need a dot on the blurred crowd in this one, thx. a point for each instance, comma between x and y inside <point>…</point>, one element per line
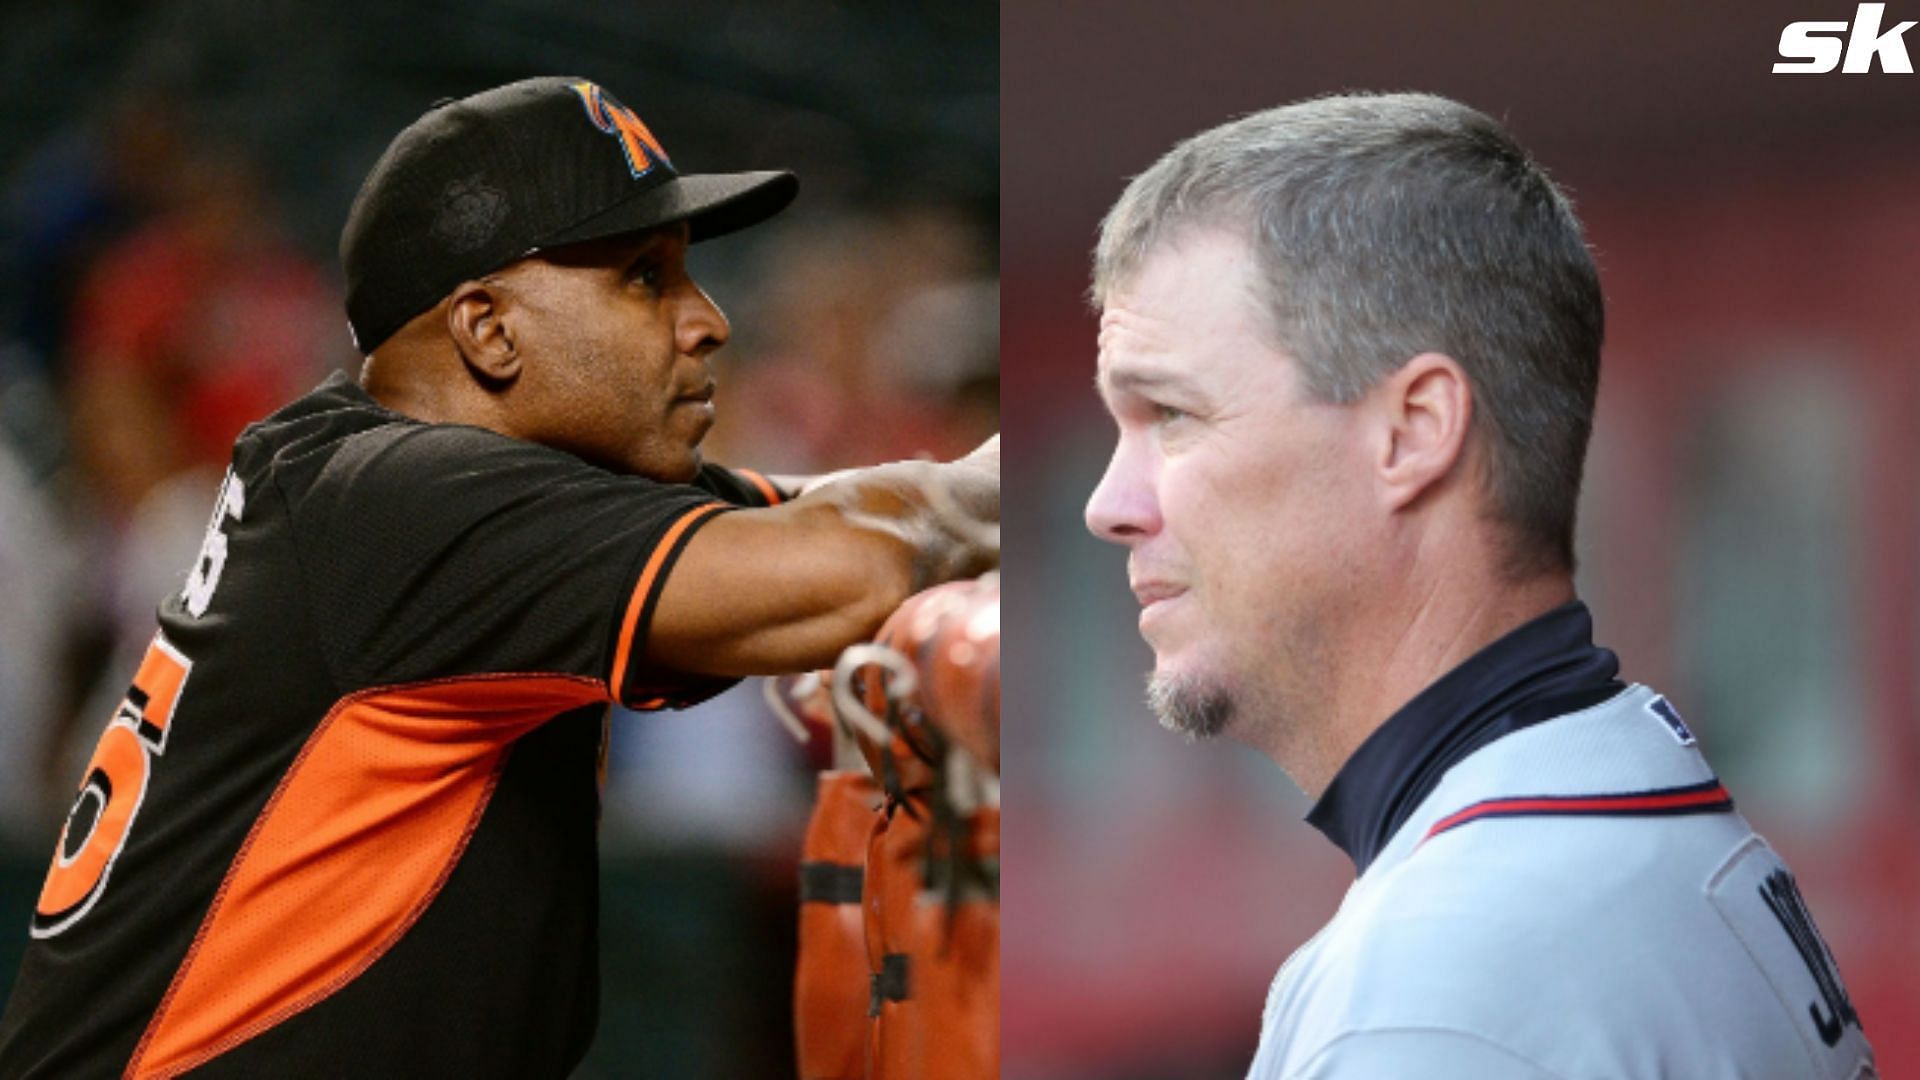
<point>153,308</point>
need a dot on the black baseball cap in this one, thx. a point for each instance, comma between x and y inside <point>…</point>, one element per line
<point>479,182</point>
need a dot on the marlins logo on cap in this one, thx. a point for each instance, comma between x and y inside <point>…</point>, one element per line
<point>636,142</point>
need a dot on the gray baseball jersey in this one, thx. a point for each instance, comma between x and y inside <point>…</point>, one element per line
<point>1572,897</point>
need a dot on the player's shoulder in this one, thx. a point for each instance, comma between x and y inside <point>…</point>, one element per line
<point>388,462</point>
<point>1683,944</point>
<point>409,452</point>
<point>1556,872</point>
<point>408,488</point>
<point>339,431</point>
<point>1492,931</point>
<point>1562,843</point>
<point>292,448</point>
<point>1527,895</point>
<point>331,412</point>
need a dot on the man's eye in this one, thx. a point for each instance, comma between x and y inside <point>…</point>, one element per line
<point>1167,414</point>
<point>647,274</point>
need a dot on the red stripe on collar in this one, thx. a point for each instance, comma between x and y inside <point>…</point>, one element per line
<point>1706,797</point>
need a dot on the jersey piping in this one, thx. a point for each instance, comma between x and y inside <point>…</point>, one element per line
<point>765,486</point>
<point>1706,797</point>
<point>646,597</point>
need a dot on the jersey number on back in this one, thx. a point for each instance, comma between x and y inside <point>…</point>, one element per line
<point>1782,897</point>
<point>205,576</point>
<point>116,779</point>
<point>111,794</point>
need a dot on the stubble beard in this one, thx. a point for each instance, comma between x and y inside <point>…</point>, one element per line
<point>1272,694</point>
<point>1283,718</point>
<point>1194,706</point>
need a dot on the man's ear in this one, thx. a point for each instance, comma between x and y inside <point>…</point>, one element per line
<point>1428,407</point>
<point>481,329</point>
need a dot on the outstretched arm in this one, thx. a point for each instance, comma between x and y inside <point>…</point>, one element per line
<point>760,592</point>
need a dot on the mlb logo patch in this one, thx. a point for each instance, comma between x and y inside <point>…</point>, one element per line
<point>1671,717</point>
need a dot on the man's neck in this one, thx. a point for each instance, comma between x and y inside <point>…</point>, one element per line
<point>400,384</point>
<point>1385,663</point>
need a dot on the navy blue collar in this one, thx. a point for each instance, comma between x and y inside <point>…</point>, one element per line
<point>1546,668</point>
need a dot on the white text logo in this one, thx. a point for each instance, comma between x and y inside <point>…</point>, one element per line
<point>1816,46</point>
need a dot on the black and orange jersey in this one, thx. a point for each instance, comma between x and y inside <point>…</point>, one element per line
<point>343,822</point>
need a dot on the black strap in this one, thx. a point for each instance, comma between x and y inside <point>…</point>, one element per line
<point>830,883</point>
<point>888,984</point>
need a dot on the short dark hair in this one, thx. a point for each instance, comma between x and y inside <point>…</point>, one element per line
<point>1387,225</point>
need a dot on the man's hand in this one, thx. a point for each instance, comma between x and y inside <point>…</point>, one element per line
<point>761,592</point>
<point>986,456</point>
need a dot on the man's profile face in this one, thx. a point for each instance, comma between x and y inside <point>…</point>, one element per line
<point>1240,500</point>
<point>616,338</point>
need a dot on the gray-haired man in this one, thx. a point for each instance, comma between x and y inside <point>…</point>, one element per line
<point>1352,347</point>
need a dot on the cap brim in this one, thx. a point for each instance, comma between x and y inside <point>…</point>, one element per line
<point>713,205</point>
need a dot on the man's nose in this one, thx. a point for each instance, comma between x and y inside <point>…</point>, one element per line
<point>1123,508</point>
<point>702,327</point>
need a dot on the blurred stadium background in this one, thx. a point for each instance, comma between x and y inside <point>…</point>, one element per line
<point>173,177</point>
<point>1750,533</point>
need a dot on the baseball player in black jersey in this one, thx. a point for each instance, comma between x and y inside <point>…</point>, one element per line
<point>342,823</point>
